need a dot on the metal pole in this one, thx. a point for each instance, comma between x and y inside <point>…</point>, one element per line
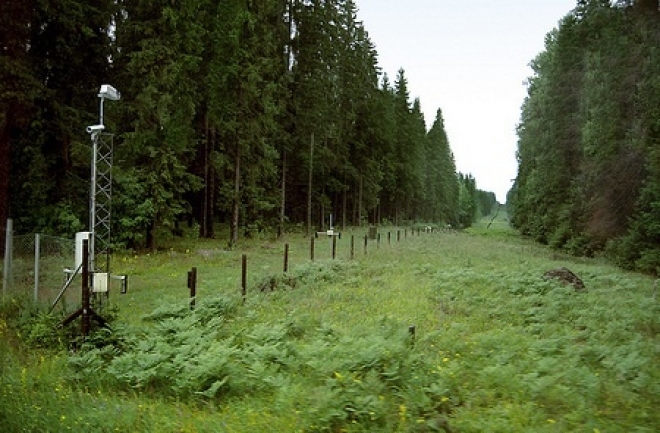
<point>6,273</point>
<point>244,276</point>
<point>101,111</point>
<point>37,251</point>
<point>92,201</point>
<point>286,258</point>
<point>85,290</point>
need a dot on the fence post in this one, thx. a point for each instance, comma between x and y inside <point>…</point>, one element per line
<point>244,277</point>
<point>192,285</point>
<point>311,249</point>
<point>286,258</point>
<point>352,246</point>
<point>366,239</point>
<point>334,246</point>
<point>6,273</point>
<point>37,252</point>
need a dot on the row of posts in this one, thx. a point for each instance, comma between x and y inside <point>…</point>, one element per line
<point>192,274</point>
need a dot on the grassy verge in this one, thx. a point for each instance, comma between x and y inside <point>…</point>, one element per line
<point>495,346</point>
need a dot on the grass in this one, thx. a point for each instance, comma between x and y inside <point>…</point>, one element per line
<point>496,347</point>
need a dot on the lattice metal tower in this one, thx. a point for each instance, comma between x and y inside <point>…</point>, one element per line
<point>100,196</point>
<point>101,201</point>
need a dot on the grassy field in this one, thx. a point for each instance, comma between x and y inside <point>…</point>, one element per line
<point>445,331</point>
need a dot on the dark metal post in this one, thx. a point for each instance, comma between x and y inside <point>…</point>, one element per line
<point>286,258</point>
<point>85,289</point>
<point>244,277</point>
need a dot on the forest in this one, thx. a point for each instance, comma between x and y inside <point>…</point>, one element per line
<point>589,137</point>
<point>248,115</point>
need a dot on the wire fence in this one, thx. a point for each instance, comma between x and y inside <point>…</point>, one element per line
<point>35,266</point>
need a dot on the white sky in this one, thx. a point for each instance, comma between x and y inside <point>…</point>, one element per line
<point>469,58</point>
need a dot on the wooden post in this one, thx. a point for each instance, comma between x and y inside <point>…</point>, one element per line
<point>244,277</point>
<point>398,235</point>
<point>192,285</point>
<point>352,246</point>
<point>334,246</point>
<point>378,241</point>
<point>286,258</point>
<point>366,239</point>
<point>311,249</point>
<point>389,238</point>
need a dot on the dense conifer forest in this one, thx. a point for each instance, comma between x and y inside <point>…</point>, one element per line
<point>273,114</point>
<point>250,115</point>
<point>589,138</point>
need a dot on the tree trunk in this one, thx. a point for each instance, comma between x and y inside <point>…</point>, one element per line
<point>210,188</point>
<point>309,187</point>
<point>204,213</point>
<point>344,204</point>
<point>283,196</point>
<point>237,194</point>
<point>360,203</point>
<point>5,153</point>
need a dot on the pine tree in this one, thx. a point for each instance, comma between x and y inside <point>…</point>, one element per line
<point>161,98</point>
<point>58,57</point>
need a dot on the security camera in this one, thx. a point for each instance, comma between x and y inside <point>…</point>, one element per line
<point>95,128</point>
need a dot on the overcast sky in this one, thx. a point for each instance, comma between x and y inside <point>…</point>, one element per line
<point>469,58</point>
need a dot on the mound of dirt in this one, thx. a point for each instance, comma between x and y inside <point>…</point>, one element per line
<point>566,277</point>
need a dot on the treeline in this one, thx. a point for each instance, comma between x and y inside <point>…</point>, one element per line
<point>589,138</point>
<point>256,114</point>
